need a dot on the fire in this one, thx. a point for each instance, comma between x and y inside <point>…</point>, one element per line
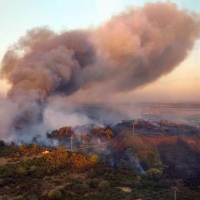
<point>45,152</point>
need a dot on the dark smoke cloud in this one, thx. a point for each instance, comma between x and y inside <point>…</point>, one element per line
<point>130,50</point>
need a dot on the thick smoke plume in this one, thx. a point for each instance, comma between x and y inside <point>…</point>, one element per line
<point>130,50</point>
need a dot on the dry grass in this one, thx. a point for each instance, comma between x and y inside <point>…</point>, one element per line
<point>125,189</point>
<point>3,161</point>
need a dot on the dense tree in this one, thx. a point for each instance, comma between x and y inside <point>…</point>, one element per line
<point>2,143</point>
<point>57,158</point>
<point>79,160</point>
<point>154,173</point>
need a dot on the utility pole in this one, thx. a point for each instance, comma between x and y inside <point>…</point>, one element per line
<point>175,191</point>
<point>133,127</point>
<point>72,137</point>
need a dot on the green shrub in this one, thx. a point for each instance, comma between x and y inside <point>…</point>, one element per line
<point>104,185</point>
<point>55,195</point>
<point>21,171</point>
<point>22,147</point>
<point>57,182</point>
<point>154,173</point>
<point>122,164</point>
<point>94,159</point>
<point>93,184</point>
<point>84,186</point>
<point>69,194</point>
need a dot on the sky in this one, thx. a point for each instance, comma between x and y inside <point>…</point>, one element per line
<point>16,17</point>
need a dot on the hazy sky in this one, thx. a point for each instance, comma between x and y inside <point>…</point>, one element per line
<point>16,17</point>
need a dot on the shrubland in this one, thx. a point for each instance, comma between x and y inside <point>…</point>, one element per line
<point>104,163</point>
<point>68,174</point>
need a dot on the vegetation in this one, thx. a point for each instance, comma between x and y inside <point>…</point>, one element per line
<point>130,166</point>
<point>55,195</point>
<point>94,159</point>
<point>153,173</point>
<point>104,185</point>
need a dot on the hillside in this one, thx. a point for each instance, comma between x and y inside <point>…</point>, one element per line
<point>108,162</point>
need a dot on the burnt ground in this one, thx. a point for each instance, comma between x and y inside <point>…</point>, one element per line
<point>183,162</point>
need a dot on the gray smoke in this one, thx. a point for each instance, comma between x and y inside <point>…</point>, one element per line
<point>130,50</point>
